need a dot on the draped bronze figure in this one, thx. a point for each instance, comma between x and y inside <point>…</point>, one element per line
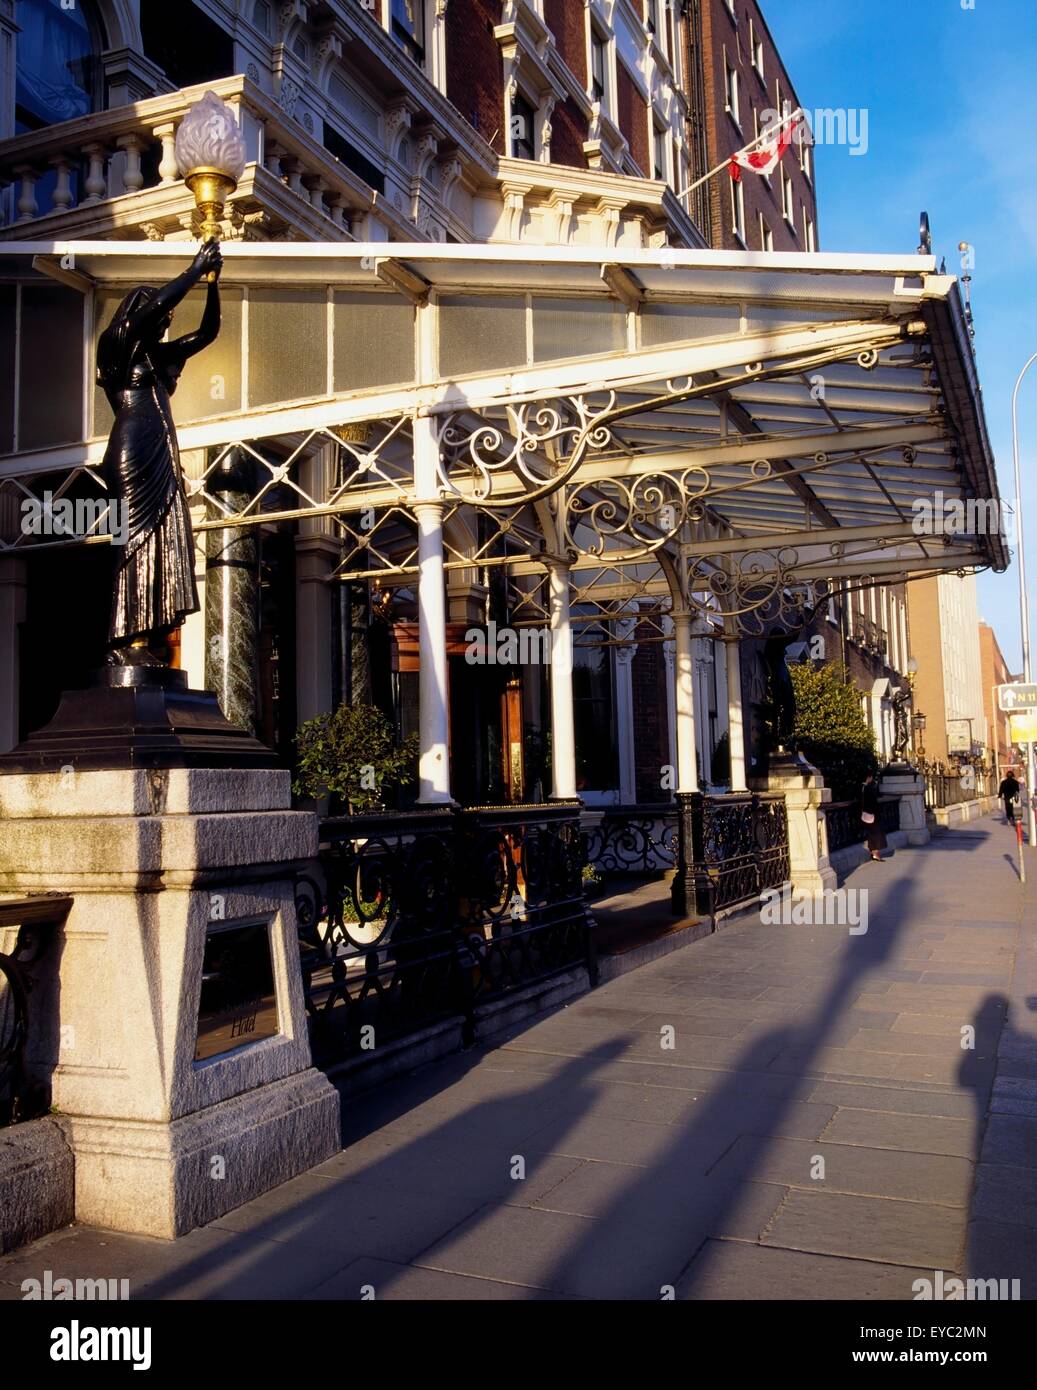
<point>154,586</point>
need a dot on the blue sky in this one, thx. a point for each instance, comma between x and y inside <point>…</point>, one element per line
<point>950,95</point>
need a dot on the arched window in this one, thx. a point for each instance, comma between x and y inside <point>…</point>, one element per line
<point>58,75</point>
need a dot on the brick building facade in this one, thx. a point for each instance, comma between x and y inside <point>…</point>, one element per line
<point>995,672</point>
<point>733,60</point>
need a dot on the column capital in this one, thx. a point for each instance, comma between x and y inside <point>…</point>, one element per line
<point>430,507</point>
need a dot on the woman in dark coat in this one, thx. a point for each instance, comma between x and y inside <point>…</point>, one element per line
<point>154,586</point>
<point>870,817</point>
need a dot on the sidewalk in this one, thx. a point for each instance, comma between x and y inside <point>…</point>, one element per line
<point>585,1159</point>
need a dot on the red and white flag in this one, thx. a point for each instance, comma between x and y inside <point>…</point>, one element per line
<point>763,158</point>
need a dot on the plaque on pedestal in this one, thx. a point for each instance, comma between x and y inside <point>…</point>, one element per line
<point>238,1003</point>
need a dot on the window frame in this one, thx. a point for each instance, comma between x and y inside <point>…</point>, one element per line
<point>732,94</point>
<point>788,199</point>
<point>418,52</point>
<point>599,43</point>
<point>756,51</point>
<point>738,211</point>
<point>533,142</point>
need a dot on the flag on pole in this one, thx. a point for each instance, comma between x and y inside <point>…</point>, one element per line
<point>765,157</point>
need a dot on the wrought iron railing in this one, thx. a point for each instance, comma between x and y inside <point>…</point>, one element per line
<point>35,919</point>
<point>946,786</point>
<point>844,826</point>
<point>426,915</point>
<point>630,840</point>
<point>734,847</point>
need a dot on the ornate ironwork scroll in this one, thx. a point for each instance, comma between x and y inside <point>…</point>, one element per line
<point>632,840</point>
<point>426,915</point>
<point>731,849</point>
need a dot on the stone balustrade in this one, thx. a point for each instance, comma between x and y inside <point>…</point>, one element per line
<point>108,171</point>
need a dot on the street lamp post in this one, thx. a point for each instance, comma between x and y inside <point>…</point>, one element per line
<point>1024,606</point>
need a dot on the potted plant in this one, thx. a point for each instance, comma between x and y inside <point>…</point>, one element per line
<point>351,756</point>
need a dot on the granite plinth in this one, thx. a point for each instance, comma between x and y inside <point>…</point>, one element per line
<point>137,717</point>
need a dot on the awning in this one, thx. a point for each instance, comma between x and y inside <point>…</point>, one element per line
<point>746,419</point>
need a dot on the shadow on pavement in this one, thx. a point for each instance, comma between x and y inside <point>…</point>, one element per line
<point>653,1229</point>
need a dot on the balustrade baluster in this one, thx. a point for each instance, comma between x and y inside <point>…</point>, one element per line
<point>62,197</point>
<point>94,185</point>
<point>168,171</point>
<point>27,204</point>
<point>133,175</point>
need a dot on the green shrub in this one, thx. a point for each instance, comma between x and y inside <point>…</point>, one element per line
<point>352,755</point>
<point>831,731</point>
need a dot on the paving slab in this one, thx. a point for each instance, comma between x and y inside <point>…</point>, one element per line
<point>366,1280</point>
<point>728,1269</point>
<point>923,1134</point>
<point>870,1228</point>
<point>1006,1192</point>
<point>897,1173</point>
<point>1003,1250</point>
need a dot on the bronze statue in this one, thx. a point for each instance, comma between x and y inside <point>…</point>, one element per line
<point>901,701</point>
<point>154,573</point>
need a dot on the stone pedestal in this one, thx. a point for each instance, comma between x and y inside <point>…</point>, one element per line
<point>157,860</point>
<point>909,788</point>
<point>805,793</point>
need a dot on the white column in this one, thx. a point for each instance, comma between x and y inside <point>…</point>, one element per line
<point>735,726</point>
<point>624,660</point>
<point>671,700</point>
<point>563,733</point>
<point>627,790</point>
<point>702,648</point>
<point>433,696</point>
<point>316,554</point>
<point>684,689</point>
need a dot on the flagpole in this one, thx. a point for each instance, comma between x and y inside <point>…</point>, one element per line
<point>744,150</point>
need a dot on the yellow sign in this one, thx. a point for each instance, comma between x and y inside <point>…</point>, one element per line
<point>1024,727</point>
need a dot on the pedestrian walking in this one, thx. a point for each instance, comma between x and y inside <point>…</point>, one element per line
<point>870,817</point>
<point>1008,791</point>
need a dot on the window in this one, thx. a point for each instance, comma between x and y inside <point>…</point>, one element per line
<point>652,16</point>
<point>599,68</point>
<point>805,158</point>
<point>738,210</point>
<point>755,48</point>
<point>766,235</point>
<point>352,158</point>
<point>597,760</point>
<point>731,87</point>
<point>523,129</point>
<point>731,10</point>
<point>408,27</point>
<point>659,154</point>
<point>788,205</point>
<point>810,237</point>
<point>186,43</point>
<point>58,75</point>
